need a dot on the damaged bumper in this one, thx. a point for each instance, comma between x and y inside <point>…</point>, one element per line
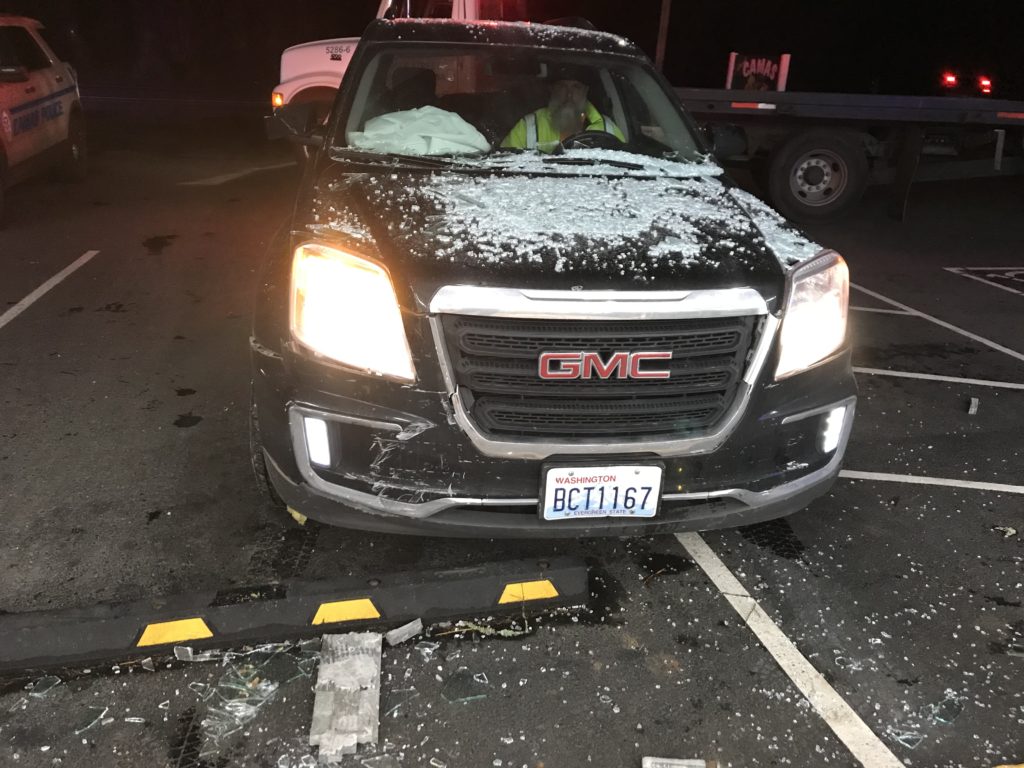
<point>362,465</point>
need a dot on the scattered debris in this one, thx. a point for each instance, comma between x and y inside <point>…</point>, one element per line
<point>147,664</point>
<point>671,762</point>
<point>19,704</point>
<point>202,689</point>
<point>405,632</point>
<point>43,686</point>
<point>297,516</point>
<point>947,710</point>
<point>909,739</point>
<point>185,653</point>
<point>396,699</point>
<point>135,720</point>
<point>93,715</point>
<point>488,631</point>
<point>1007,531</point>
<point>346,707</point>
<point>426,649</point>
<point>972,409</point>
<point>463,686</point>
<point>306,761</point>
<point>240,693</point>
<point>381,761</point>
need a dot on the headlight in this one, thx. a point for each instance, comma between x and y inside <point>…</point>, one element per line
<point>814,322</point>
<point>344,308</point>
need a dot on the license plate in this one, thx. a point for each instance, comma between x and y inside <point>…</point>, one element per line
<point>583,492</point>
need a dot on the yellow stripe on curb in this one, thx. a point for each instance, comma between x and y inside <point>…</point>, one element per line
<point>346,610</point>
<point>528,590</point>
<point>174,632</point>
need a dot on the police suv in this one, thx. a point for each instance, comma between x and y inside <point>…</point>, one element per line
<point>465,333</point>
<point>41,124</point>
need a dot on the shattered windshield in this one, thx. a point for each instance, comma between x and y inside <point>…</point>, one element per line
<point>515,108</point>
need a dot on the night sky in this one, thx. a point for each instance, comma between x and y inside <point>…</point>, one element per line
<point>230,48</point>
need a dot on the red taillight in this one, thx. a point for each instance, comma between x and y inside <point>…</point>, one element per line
<point>949,79</point>
<point>985,84</point>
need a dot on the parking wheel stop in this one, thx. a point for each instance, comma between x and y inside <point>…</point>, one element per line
<point>286,610</point>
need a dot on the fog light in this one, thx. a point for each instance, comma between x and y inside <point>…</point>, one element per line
<point>317,444</point>
<point>833,429</point>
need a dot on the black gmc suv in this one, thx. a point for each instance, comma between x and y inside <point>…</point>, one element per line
<point>519,298</point>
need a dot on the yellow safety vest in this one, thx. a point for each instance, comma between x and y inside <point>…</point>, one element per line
<point>536,131</point>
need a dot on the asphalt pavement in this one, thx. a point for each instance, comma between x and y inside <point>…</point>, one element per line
<point>883,621</point>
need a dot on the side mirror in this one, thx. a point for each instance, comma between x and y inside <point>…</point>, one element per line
<point>295,122</point>
<point>726,140</point>
<point>13,74</point>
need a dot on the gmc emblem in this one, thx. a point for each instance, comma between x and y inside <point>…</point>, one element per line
<point>587,365</point>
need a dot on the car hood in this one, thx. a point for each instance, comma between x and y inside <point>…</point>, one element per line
<point>555,231</point>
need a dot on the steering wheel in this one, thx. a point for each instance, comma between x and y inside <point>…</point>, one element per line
<point>592,140</point>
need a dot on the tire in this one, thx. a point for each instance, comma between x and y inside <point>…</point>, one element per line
<point>259,462</point>
<point>75,166</point>
<point>817,175</point>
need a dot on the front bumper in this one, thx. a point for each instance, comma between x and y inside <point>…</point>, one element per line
<point>518,518</point>
<point>392,472</point>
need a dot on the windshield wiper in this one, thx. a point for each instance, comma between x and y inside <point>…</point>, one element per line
<point>595,161</point>
<point>348,154</point>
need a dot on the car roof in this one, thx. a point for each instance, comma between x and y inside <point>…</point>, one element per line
<point>523,34</point>
<point>10,20</point>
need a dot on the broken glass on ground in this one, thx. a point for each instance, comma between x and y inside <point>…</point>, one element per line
<point>236,700</point>
<point>947,710</point>
<point>426,649</point>
<point>396,699</point>
<point>185,653</point>
<point>43,686</point>
<point>513,630</point>
<point>381,761</point>
<point>464,686</point>
<point>909,739</point>
<point>92,716</point>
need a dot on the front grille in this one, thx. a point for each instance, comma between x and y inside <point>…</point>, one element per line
<point>495,364</point>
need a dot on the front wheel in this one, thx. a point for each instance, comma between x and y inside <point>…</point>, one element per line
<point>817,175</point>
<point>76,155</point>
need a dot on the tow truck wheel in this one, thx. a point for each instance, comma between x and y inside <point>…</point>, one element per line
<point>258,460</point>
<point>76,159</point>
<point>817,175</point>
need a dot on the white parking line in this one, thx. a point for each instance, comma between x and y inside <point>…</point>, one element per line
<point>224,178</point>
<point>963,273</point>
<point>25,303</point>
<point>883,311</point>
<point>949,326</point>
<point>851,474</point>
<point>862,742</point>
<point>936,377</point>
